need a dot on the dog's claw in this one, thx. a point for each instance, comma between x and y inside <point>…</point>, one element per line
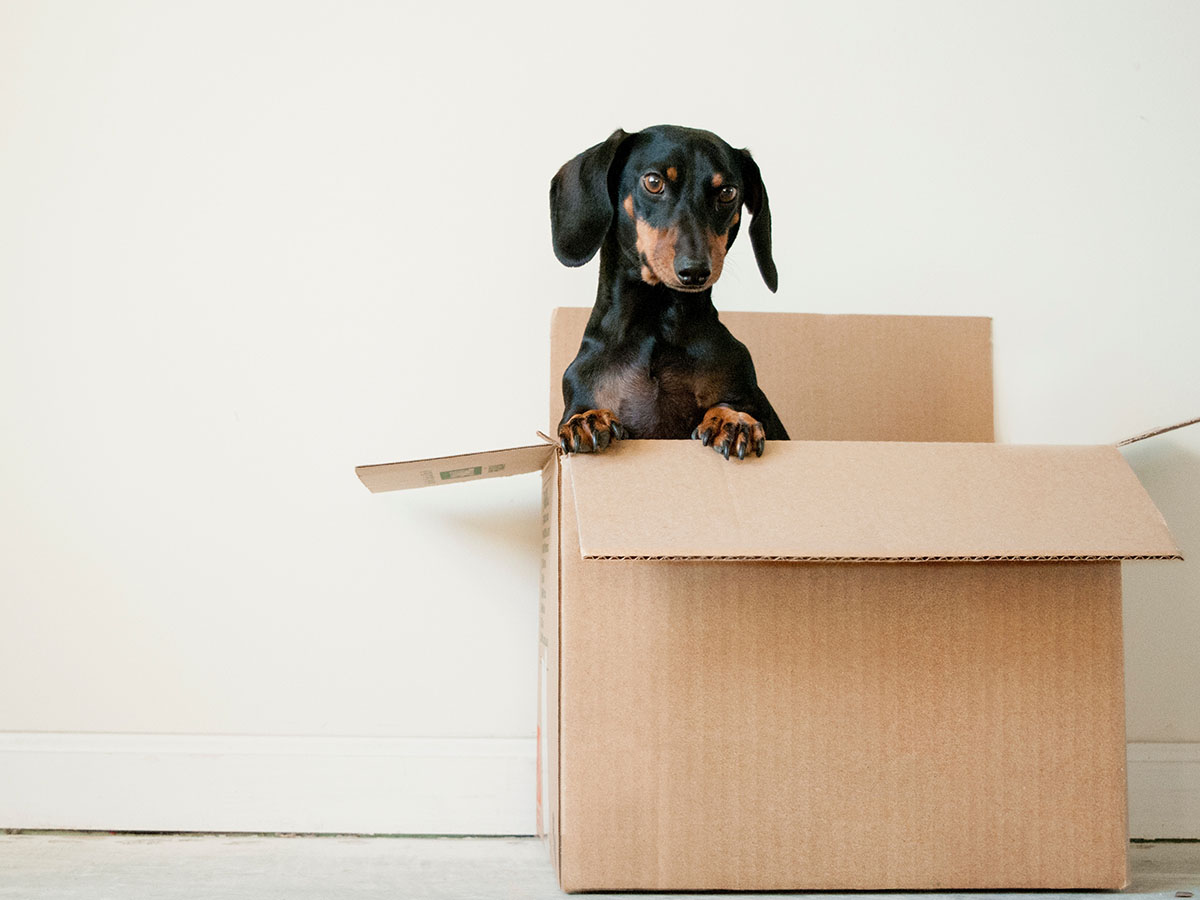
<point>590,432</point>
<point>731,433</point>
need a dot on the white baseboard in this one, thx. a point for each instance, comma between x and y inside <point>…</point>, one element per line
<point>1164,791</point>
<point>123,782</point>
<point>112,782</point>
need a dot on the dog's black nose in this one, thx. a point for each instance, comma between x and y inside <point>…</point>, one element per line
<point>691,272</point>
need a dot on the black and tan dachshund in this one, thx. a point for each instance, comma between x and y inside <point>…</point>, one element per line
<point>662,206</point>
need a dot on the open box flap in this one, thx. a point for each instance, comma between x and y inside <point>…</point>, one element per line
<point>402,476</point>
<point>1155,432</point>
<point>838,500</point>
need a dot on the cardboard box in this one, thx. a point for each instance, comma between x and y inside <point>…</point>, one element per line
<point>886,655</point>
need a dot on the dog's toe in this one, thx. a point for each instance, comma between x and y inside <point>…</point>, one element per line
<point>590,432</point>
<point>731,433</point>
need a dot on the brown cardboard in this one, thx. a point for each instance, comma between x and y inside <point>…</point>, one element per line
<point>827,500</point>
<point>549,669</point>
<point>731,697</point>
<point>862,726</point>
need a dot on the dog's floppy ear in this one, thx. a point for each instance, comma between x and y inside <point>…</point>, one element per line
<point>581,208</point>
<point>760,222</point>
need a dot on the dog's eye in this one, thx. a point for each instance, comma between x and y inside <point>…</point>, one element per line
<point>653,182</point>
<point>728,194</point>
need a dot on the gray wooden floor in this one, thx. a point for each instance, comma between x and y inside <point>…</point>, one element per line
<point>73,866</point>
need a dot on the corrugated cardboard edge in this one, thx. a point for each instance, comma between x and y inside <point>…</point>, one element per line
<point>549,669</point>
<point>834,560</point>
<point>1154,432</point>
<point>557,824</point>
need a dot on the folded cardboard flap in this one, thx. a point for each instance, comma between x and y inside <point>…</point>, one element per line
<point>864,501</point>
<point>416,473</point>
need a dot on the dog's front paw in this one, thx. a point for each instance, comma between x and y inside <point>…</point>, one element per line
<point>730,431</point>
<point>590,432</point>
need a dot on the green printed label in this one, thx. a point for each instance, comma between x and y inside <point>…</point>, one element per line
<point>469,472</point>
<point>499,467</point>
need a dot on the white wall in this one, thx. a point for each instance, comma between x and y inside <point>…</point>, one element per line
<point>246,246</point>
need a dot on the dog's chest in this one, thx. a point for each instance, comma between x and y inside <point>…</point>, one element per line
<point>659,396</point>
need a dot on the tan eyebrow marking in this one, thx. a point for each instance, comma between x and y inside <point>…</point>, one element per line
<point>672,173</point>
<point>718,180</point>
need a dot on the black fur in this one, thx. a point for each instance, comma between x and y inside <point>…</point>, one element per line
<point>654,353</point>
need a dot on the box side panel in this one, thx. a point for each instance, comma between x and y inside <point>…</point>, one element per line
<point>548,664</point>
<point>874,378</point>
<point>784,727</point>
<point>1115,652</point>
<point>571,780</point>
<point>852,377</point>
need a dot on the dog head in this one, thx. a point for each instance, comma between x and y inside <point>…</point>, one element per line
<point>673,197</point>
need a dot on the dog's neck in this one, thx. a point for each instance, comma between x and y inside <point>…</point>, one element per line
<point>625,304</point>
